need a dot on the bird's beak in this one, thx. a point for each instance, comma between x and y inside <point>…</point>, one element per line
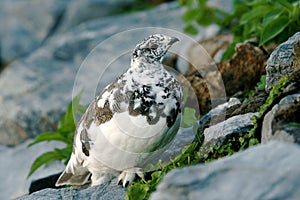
<point>173,40</point>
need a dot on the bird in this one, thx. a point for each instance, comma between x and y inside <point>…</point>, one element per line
<point>130,123</point>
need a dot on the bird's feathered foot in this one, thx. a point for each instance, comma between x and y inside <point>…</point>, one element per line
<point>128,175</point>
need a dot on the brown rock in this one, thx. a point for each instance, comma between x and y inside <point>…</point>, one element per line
<point>201,92</point>
<point>244,69</point>
<point>240,73</point>
<point>252,105</point>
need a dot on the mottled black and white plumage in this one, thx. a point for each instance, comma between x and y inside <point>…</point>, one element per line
<point>130,122</point>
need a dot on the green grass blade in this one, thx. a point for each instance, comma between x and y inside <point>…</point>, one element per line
<point>254,14</point>
<point>49,136</point>
<point>44,159</point>
<point>273,29</point>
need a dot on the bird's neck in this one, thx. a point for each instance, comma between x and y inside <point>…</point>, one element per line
<point>141,65</point>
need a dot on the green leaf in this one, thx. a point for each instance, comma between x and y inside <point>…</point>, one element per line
<point>229,52</point>
<point>241,139</point>
<point>250,29</point>
<point>211,15</point>
<point>66,153</point>
<point>49,136</point>
<point>189,117</point>
<point>273,15</point>
<point>255,14</point>
<point>262,84</point>
<point>286,4</point>
<point>190,29</point>
<point>190,15</point>
<point>156,175</point>
<point>137,191</point>
<point>256,3</point>
<point>273,29</point>
<point>292,124</point>
<point>44,159</point>
<point>253,141</point>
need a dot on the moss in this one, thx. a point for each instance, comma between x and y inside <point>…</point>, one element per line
<point>273,98</point>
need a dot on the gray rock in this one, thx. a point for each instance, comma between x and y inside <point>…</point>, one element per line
<point>269,171</point>
<point>216,114</point>
<point>282,122</point>
<point>26,24</point>
<point>112,191</point>
<point>238,124</point>
<point>15,165</point>
<point>280,61</point>
<point>79,11</point>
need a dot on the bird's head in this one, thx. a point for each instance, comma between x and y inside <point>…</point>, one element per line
<point>153,48</point>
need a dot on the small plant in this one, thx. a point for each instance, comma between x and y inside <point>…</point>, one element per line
<point>266,20</point>
<point>64,133</point>
<point>189,118</point>
<point>275,93</point>
<point>142,189</point>
<point>260,86</point>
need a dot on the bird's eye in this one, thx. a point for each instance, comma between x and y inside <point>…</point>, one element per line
<point>154,46</point>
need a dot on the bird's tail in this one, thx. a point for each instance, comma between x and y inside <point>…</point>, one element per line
<point>74,174</point>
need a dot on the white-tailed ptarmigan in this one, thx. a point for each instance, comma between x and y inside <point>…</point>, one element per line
<point>130,123</point>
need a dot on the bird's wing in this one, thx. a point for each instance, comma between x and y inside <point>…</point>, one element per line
<point>76,172</point>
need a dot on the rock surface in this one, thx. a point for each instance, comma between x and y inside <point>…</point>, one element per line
<point>236,125</point>
<point>79,11</point>
<point>283,121</point>
<point>251,105</point>
<point>217,114</point>
<point>260,172</point>
<point>15,165</point>
<point>112,191</point>
<point>26,24</point>
<point>283,60</point>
